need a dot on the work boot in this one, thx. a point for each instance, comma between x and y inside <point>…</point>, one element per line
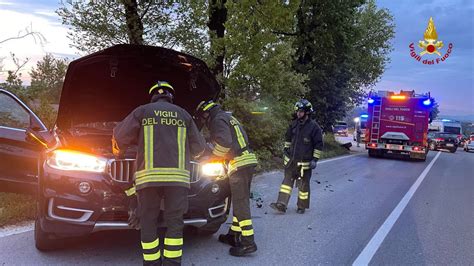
<point>279,207</point>
<point>243,250</point>
<point>231,240</point>
<point>300,210</point>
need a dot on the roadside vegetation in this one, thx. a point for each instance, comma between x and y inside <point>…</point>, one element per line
<point>15,208</point>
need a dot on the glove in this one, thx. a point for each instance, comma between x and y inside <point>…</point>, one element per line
<point>313,163</point>
<point>133,219</point>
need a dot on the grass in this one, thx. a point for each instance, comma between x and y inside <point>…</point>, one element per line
<point>332,148</point>
<point>15,208</point>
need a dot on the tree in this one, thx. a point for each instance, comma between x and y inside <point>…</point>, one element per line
<point>343,47</point>
<point>47,78</point>
<point>239,40</point>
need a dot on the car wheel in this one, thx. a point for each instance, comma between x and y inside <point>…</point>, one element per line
<point>43,240</point>
<point>453,150</point>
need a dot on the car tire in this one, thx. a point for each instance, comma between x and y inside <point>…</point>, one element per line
<point>43,240</point>
<point>453,150</point>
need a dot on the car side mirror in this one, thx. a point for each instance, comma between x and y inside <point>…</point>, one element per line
<point>33,136</point>
<point>34,124</point>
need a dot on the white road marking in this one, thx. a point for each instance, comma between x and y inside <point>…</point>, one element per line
<point>369,251</point>
<point>17,229</point>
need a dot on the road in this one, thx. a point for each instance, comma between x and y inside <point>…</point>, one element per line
<point>353,199</point>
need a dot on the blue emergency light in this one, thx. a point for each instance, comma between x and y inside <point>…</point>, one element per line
<point>364,116</point>
<point>427,102</point>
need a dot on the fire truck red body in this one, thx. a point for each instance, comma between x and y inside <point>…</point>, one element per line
<point>398,124</point>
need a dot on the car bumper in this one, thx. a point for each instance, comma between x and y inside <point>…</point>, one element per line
<point>66,212</point>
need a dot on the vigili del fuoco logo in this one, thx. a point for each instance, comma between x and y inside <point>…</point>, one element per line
<point>430,46</point>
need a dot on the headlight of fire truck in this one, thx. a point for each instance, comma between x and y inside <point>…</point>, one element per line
<point>70,160</point>
<point>213,169</point>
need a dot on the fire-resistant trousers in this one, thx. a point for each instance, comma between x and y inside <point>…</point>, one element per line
<point>292,174</point>
<point>175,205</point>
<point>240,182</point>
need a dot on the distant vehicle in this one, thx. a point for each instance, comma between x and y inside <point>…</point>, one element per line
<point>442,140</point>
<point>341,129</point>
<point>398,124</point>
<point>361,125</point>
<point>447,126</point>
<point>469,144</point>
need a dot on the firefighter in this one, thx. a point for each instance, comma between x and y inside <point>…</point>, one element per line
<point>167,137</point>
<point>303,146</point>
<point>230,142</point>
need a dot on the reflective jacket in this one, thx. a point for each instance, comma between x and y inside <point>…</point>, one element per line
<point>166,137</point>
<point>230,140</point>
<point>303,142</point>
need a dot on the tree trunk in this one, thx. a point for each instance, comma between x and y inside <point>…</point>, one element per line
<point>217,18</point>
<point>134,23</point>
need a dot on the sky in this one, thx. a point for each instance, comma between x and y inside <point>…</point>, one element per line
<point>450,82</point>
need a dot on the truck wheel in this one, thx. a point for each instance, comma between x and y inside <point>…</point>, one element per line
<point>43,240</point>
<point>373,153</point>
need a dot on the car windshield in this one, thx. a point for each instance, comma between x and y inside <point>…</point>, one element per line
<point>447,135</point>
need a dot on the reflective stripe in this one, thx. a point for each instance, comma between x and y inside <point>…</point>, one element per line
<point>285,160</point>
<point>150,245</point>
<point>181,147</point>
<point>303,195</point>
<point>234,219</point>
<point>316,153</point>
<point>304,163</point>
<point>245,223</point>
<point>148,146</point>
<point>235,228</point>
<point>287,144</point>
<point>160,170</point>
<point>240,137</point>
<point>174,241</point>
<point>151,257</point>
<point>208,106</point>
<point>167,178</point>
<point>172,254</point>
<point>219,150</point>
<point>247,232</point>
<point>131,191</point>
<point>285,189</point>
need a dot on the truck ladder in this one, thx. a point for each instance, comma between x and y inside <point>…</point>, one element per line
<point>376,115</point>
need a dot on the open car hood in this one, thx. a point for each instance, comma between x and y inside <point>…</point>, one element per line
<point>107,85</point>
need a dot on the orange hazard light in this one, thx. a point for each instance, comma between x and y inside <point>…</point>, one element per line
<point>398,97</point>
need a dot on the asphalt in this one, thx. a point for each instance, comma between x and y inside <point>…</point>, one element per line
<point>350,200</point>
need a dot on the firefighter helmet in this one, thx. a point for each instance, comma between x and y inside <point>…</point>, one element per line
<point>204,106</point>
<point>162,87</point>
<point>303,105</point>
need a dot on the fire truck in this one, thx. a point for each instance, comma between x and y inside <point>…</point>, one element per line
<point>398,124</point>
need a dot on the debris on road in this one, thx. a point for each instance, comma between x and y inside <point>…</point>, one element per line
<point>350,180</point>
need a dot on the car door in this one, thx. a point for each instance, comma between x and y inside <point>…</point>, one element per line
<point>18,157</point>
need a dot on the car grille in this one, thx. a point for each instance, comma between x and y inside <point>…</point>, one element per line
<point>123,170</point>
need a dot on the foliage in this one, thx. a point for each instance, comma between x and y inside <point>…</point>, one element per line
<point>343,47</point>
<point>47,78</point>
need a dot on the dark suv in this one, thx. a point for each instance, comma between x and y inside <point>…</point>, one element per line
<point>71,167</point>
<point>442,140</point>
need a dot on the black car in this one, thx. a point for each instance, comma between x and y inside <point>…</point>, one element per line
<point>341,129</point>
<point>71,167</point>
<point>442,140</point>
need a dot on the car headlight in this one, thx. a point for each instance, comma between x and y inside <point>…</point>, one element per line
<point>69,160</point>
<point>213,169</point>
